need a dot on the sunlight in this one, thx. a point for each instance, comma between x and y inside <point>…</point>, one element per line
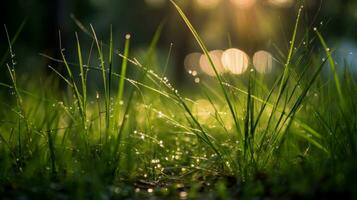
<point>282,3</point>
<point>243,3</point>
<point>203,110</point>
<point>263,62</point>
<point>208,4</point>
<point>235,60</point>
<point>205,65</point>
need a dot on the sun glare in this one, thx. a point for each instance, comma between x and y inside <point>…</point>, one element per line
<point>235,60</point>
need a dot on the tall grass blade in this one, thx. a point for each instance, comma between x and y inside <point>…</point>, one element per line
<point>19,30</point>
<point>104,76</point>
<point>333,67</point>
<point>205,51</point>
<point>123,68</point>
<point>71,77</point>
<point>83,80</point>
<point>110,61</point>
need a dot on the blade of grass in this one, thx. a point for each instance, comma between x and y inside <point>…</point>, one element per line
<point>104,76</point>
<point>123,68</point>
<point>286,75</point>
<point>9,50</point>
<point>205,50</point>
<point>296,106</point>
<point>110,61</point>
<point>71,77</point>
<point>83,81</point>
<point>121,84</point>
<point>333,67</point>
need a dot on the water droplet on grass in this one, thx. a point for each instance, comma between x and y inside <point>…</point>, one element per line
<point>127,36</point>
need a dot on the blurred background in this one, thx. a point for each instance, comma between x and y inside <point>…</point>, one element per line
<point>249,25</point>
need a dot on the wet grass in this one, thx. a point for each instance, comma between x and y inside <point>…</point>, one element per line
<point>291,136</point>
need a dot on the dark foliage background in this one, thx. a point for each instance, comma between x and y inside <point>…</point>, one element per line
<point>43,19</point>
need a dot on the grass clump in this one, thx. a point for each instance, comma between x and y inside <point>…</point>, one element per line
<point>288,138</point>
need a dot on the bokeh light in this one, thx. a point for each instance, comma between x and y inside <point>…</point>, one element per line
<point>203,110</point>
<point>208,4</point>
<point>192,62</point>
<point>243,3</point>
<point>235,60</point>
<point>205,65</point>
<point>263,62</point>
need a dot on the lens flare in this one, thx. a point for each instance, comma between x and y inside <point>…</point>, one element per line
<point>192,62</point>
<point>235,60</point>
<point>207,4</point>
<point>243,3</point>
<point>216,59</point>
<point>263,62</point>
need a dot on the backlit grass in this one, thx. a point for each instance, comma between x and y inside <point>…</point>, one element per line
<point>288,134</point>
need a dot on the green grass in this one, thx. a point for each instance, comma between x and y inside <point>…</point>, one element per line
<point>289,138</point>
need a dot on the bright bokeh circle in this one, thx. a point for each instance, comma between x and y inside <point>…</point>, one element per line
<point>263,62</point>
<point>234,60</point>
<point>192,61</point>
<point>206,66</point>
